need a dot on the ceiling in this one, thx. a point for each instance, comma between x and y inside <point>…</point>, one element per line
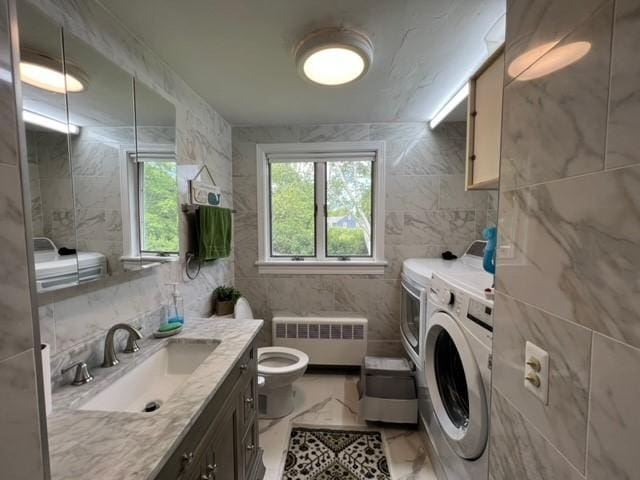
<point>237,54</point>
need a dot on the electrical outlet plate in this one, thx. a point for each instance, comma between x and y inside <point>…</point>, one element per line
<point>532,351</point>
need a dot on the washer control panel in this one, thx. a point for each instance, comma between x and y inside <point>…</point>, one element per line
<point>466,305</point>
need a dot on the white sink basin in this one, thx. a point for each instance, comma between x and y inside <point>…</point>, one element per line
<point>153,380</point>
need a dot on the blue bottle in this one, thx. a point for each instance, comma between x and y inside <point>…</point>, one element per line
<point>491,236</point>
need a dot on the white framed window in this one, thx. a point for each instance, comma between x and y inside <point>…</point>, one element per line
<point>321,207</point>
<point>150,205</point>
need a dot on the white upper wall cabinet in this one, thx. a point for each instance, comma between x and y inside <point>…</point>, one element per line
<point>484,124</point>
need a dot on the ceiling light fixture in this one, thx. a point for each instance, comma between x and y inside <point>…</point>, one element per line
<point>545,59</point>
<point>42,71</point>
<point>49,123</point>
<point>448,107</point>
<point>333,56</point>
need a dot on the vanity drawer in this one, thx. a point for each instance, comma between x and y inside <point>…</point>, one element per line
<point>249,449</point>
<point>248,399</point>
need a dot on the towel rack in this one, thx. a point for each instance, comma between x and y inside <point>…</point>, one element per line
<point>191,208</point>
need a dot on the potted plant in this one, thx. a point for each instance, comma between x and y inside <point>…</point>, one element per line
<point>225,299</point>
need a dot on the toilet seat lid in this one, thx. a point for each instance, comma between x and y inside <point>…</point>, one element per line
<point>301,360</point>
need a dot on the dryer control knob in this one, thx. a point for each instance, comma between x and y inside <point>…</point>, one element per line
<point>447,297</point>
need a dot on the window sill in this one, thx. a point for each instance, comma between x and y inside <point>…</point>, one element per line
<point>132,262</point>
<point>315,267</point>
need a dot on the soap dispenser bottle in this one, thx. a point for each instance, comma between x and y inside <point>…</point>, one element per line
<point>176,312</point>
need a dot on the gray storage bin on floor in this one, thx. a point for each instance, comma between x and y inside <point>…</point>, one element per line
<point>388,390</point>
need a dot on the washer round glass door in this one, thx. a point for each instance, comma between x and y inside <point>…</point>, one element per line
<point>455,387</point>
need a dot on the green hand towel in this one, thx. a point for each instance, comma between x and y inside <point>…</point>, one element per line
<point>215,233</point>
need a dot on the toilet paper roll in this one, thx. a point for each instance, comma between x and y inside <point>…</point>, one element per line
<point>46,376</point>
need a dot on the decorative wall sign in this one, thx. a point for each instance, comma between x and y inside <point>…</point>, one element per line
<point>204,193</point>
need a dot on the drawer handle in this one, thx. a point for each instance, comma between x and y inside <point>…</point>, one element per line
<point>187,459</point>
<point>244,366</point>
<point>211,472</point>
<point>248,400</point>
<point>251,446</point>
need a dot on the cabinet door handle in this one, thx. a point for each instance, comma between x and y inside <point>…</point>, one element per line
<point>187,459</point>
<point>244,366</point>
<point>211,472</point>
<point>248,400</point>
<point>251,446</point>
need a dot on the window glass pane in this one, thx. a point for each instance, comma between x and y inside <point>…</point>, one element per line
<point>349,188</point>
<point>292,209</point>
<point>160,207</point>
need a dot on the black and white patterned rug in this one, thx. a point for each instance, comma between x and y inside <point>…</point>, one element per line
<point>323,454</point>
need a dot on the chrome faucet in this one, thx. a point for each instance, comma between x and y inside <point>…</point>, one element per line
<point>110,359</point>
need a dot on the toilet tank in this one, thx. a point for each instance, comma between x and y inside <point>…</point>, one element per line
<point>326,340</point>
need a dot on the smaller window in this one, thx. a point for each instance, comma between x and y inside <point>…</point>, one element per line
<point>158,205</point>
<point>151,207</point>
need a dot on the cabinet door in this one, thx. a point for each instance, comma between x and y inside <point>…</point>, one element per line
<point>218,459</point>
<point>486,126</point>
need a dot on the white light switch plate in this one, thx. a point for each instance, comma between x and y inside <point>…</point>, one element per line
<point>532,351</point>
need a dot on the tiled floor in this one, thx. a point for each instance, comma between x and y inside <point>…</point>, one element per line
<point>331,400</point>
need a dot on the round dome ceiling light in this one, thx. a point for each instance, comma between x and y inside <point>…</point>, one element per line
<point>334,56</point>
<point>42,71</point>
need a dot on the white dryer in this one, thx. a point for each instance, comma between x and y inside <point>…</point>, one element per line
<point>416,279</point>
<point>457,373</point>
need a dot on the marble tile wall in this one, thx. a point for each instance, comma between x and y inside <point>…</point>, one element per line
<point>567,274</point>
<point>74,321</point>
<point>22,432</point>
<point>427,212</point>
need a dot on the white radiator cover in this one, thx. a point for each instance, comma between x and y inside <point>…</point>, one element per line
<point>326,340</point>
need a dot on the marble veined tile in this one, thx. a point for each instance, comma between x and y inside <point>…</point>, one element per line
<point>21,453</point>
<point>15,308</point>
<point>245,196</point>
<point>518,451</point>
<point>439,227</point>
<point>412,192</point>
<point>435,154</point>
<point>554,126</point>
<point>564,420</point>
<point>623,141</point>
<point>265,134</point>
<point>335,133</point>
<point>244,159</point>
<point>614,420</point>
<point>301,294</point>
<point>541,24</point>
<point>572,248</point>
<point>377,299</point>
<point>454,196</point>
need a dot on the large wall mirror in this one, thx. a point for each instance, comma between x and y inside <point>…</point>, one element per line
<point>101,156</point>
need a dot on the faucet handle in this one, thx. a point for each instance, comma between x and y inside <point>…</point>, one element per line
<point>132,345</point>
<point>82,375</point>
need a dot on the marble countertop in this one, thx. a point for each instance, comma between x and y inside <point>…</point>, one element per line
<point>125,445</point>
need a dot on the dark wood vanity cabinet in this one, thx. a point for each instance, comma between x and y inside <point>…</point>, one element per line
<point>223,443</point>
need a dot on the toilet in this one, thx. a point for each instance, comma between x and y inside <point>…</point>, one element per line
<point>278,368</point>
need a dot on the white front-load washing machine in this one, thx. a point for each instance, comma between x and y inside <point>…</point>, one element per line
<point>457,373</point>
